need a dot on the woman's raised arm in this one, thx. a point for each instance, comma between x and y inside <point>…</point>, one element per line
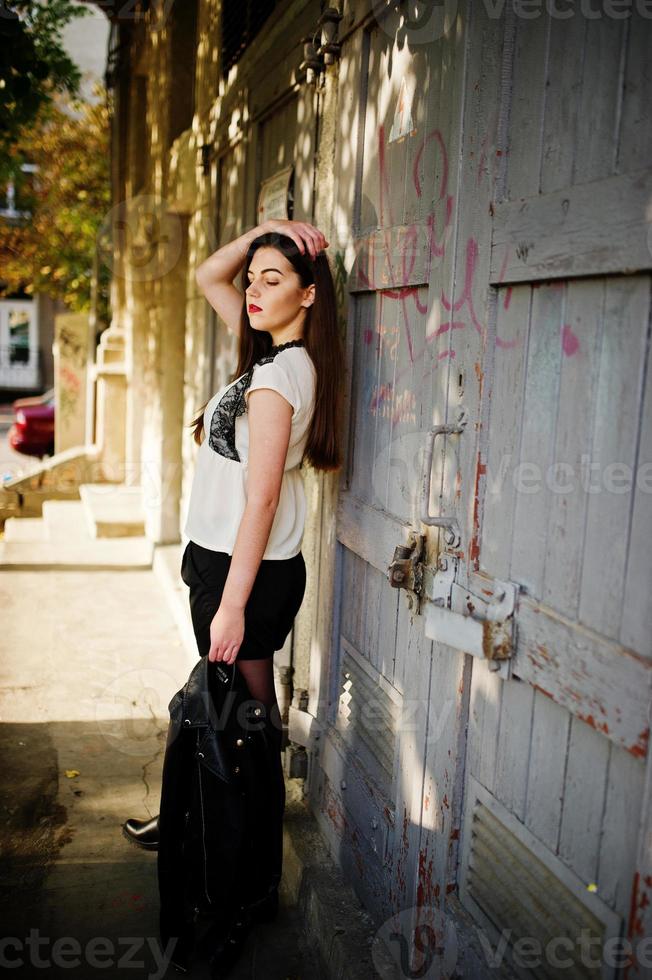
<point>216,274</point>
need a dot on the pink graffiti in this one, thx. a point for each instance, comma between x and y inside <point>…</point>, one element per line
<point>466,299</point>
<point>436,247</point>
<point>570,343</point>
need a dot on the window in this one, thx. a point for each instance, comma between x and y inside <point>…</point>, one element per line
<point>241,22</point>
<point>183,60</point>
<point>16,198</point>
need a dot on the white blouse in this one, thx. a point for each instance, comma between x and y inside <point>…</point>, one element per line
<point>219,492</point>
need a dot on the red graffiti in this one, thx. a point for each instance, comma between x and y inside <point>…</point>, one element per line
<point>569,341</point>
<point>437,242</point>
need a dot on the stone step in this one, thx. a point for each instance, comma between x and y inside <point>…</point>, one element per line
<point>66,520</point>
<point>89,555</point>
<point>25,529</point>
<point>114,510</point>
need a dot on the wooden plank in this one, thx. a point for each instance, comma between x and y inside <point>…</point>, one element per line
<point>414,655</point>
<point>618,839</point>
<point>562,112</point>
<point>352,608</point>
<point>584,795</point>
<point>368,185</point>
<point>639,925</point>
<point>393,360</point>
<point>390,258</point>
<point>636,625</point>
<point>374,592</point>
<point>599,99</point>
<point>579,338</point>
<point>613,454</point>
<point>536,450</point>
<point>470,304</point>
<point>513,746</point>
<point>387,632</point>
<point>466,125</point>
<point>564,234</point>
<point>635,144</point>
<point>528,91</point>
<point>506,393</point>
<point>348,810</point>
<point>484,718</point>
<point>370,533</point>
<point>367,366</point>
<point>597,680</point>
<point>545,786</point>
<point>403,458</point>
<point>392,93</point>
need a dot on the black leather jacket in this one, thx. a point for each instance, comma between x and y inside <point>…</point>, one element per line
<point>222,802</point>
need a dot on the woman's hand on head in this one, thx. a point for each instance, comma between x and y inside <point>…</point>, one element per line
<point>305,235</point>
<point>226,633</point>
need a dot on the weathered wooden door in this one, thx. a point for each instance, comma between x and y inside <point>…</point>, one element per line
<point>489,294</point>
<point>395,699</point>
<point>554,505</point>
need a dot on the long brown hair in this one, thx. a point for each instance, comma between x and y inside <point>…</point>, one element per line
<point>322,342</point>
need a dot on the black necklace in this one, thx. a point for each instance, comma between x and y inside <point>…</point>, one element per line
<point>275,348</point>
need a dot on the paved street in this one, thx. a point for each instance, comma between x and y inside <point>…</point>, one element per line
<point>88,664</point>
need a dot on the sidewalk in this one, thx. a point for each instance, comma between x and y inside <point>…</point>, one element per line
<point>89,663</point>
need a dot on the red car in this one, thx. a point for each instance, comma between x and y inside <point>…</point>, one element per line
<point>32,432</point>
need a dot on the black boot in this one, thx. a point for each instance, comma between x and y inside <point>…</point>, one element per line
<point>144,833</point>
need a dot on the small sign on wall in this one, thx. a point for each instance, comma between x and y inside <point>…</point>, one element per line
<point>274,195</point>
<point>403,124</point>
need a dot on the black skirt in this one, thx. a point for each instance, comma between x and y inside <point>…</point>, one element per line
<point>275,598</point>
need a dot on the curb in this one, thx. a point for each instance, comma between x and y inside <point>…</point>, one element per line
<point>166,562</point>
<point>338,930</point>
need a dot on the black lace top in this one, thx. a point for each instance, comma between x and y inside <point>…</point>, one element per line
<point>221,436</point>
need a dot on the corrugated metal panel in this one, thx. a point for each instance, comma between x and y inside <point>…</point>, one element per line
<point>526,895</point>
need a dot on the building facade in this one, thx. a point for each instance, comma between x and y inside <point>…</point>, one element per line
<point>470,672</point>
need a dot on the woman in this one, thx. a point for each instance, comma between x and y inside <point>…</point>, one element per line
<point>243,561</point>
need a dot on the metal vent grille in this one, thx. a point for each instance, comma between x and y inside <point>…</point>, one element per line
<point>367,711</point>
<point>508,886</point>
<point>241,21</point>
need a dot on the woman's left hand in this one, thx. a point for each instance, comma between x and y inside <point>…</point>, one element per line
<point>227,633</point>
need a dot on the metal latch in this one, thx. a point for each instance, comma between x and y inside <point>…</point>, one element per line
<point>405,570</point>
<point>483,626</point>
<point>447,521</point>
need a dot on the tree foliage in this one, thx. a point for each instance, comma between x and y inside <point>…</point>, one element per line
<point>53,249</point>
<point>33,66</point>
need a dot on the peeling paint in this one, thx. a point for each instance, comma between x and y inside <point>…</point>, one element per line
<point>474,544</point>
<point>636,927</point>
<point>424,886</point>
